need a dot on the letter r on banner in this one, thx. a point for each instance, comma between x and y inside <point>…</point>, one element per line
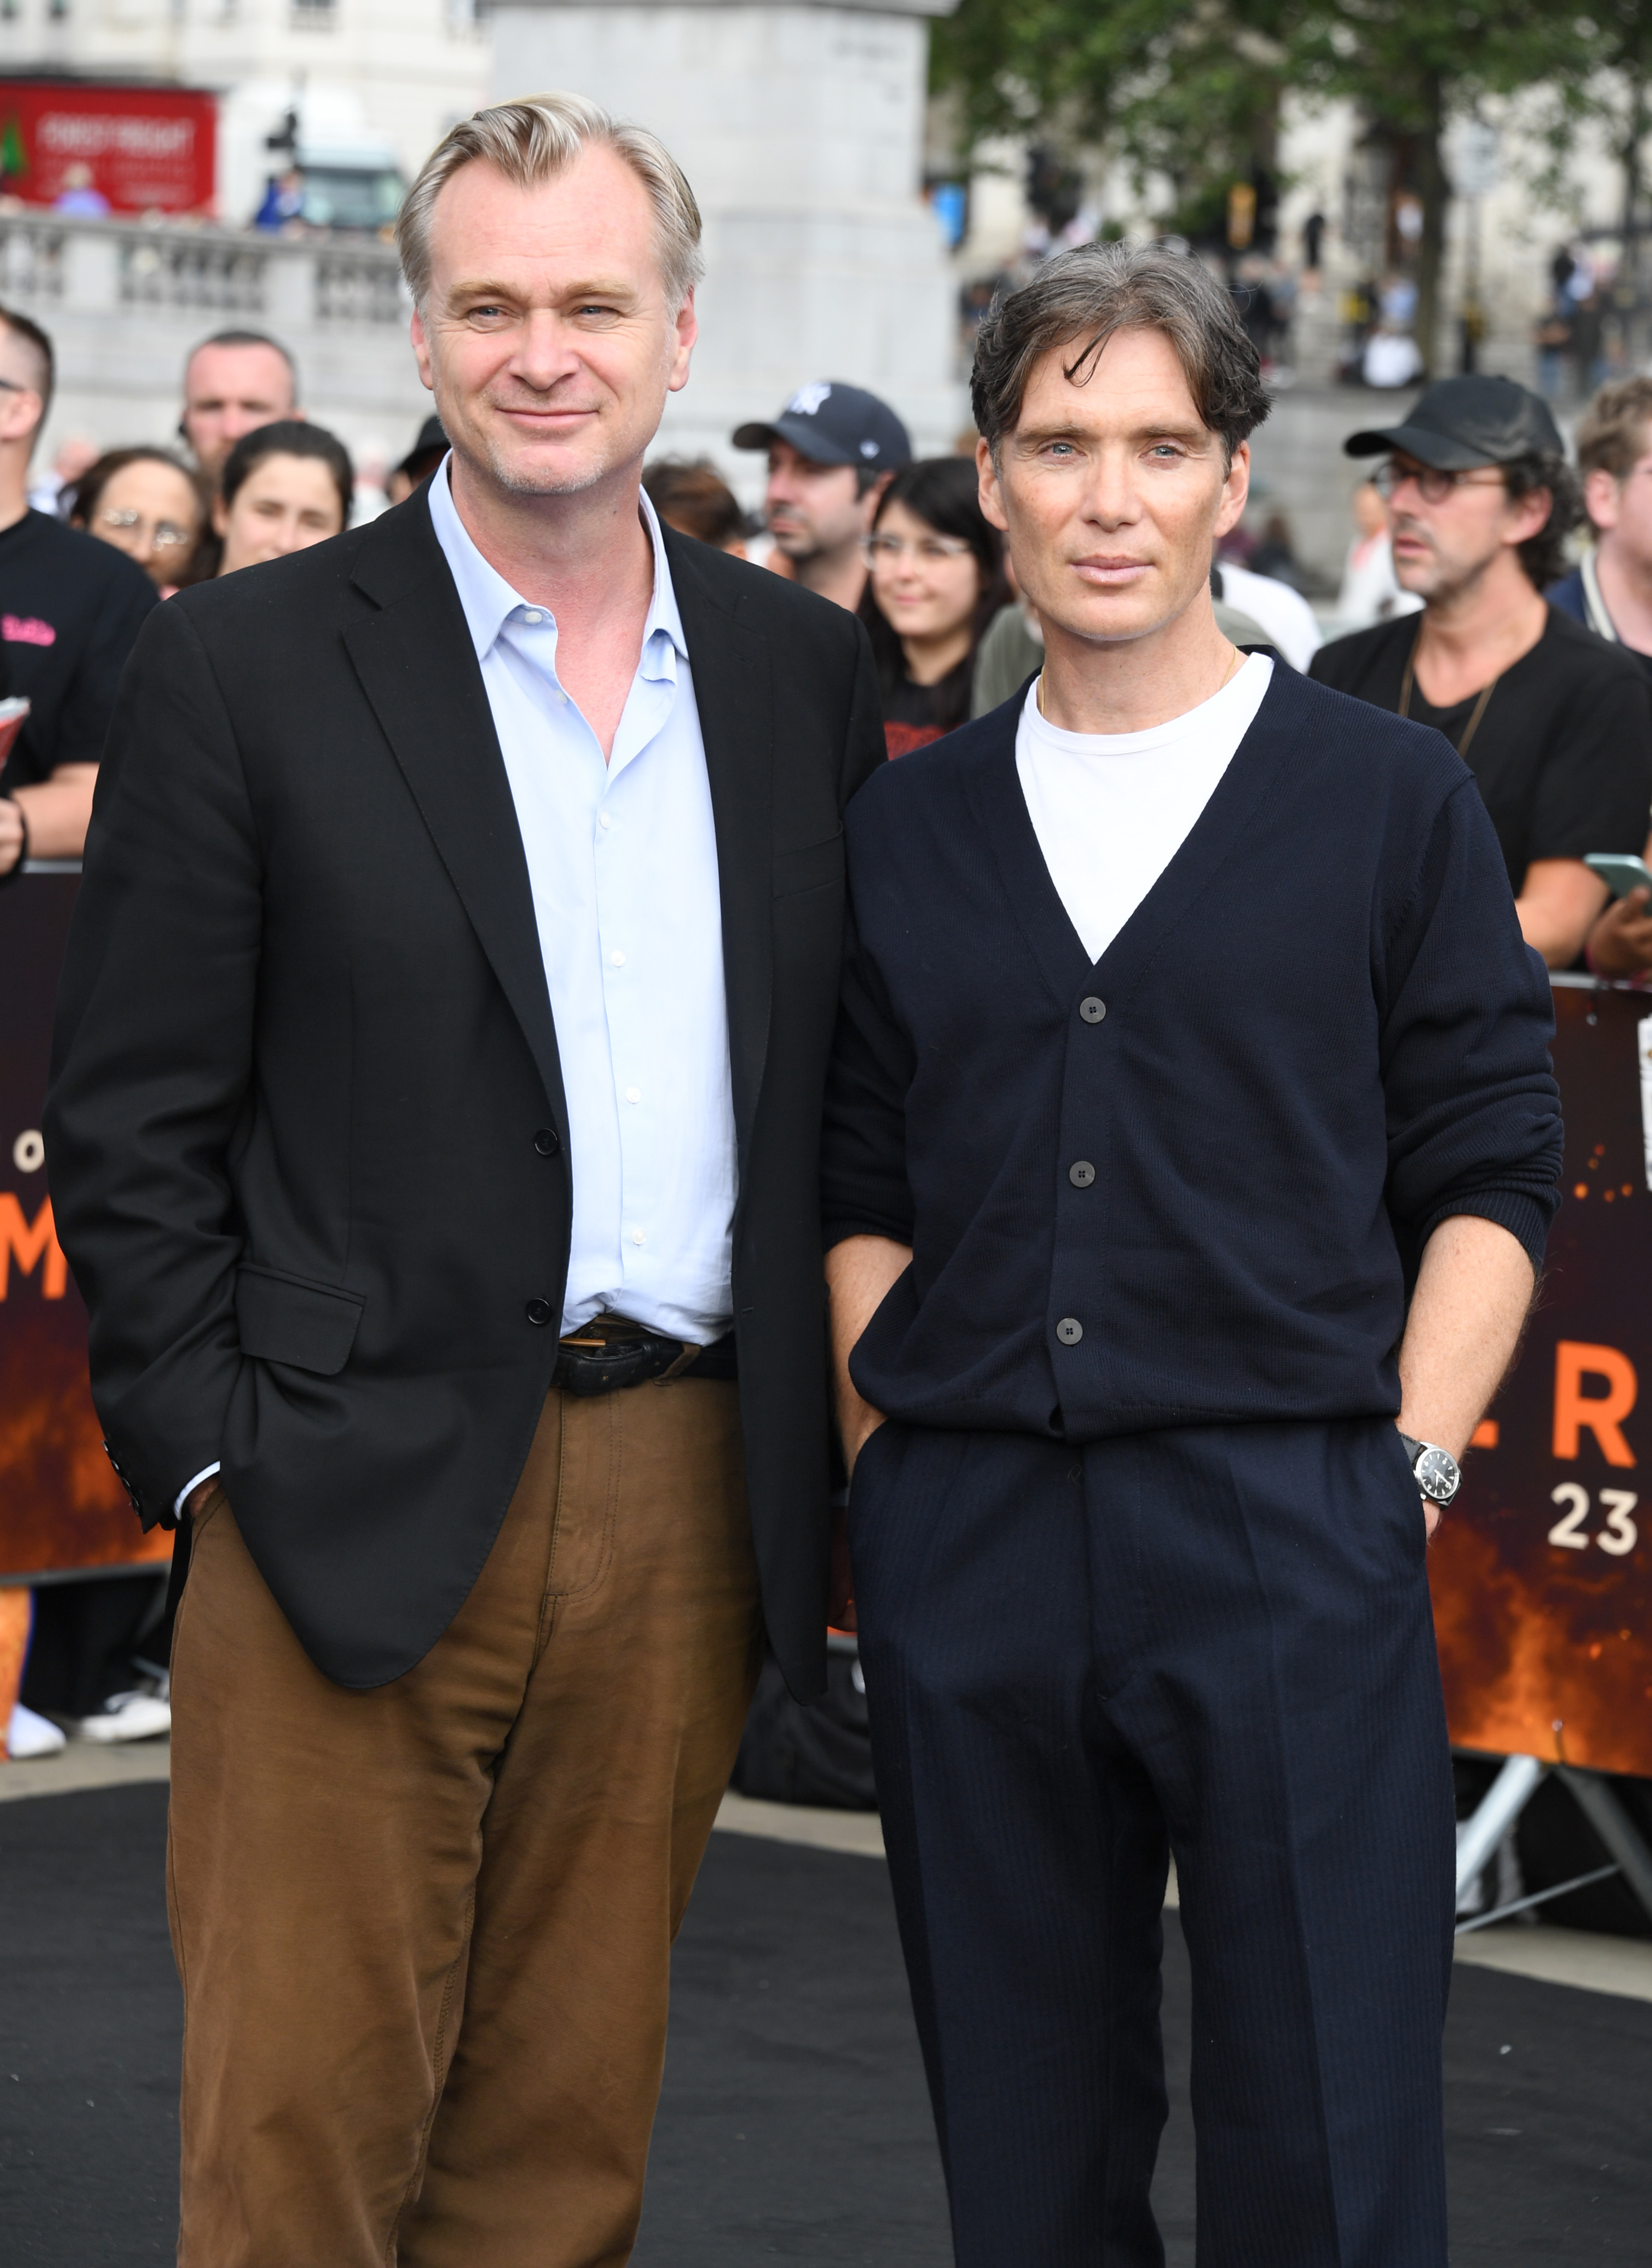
<point>28,1243</point>
<point>1602,1413</point>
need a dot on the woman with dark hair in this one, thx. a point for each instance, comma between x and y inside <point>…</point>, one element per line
<point>148,503</point>
<point>285,487</point>
<point>936,580</point>
<point>696,500</point>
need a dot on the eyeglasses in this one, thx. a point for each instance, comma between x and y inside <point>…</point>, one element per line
<point>1433,485</point>
<point>165,536</point>
<point>888,549</point>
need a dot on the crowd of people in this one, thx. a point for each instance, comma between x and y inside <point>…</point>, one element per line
<point>993,890</point>
<point>1536,666</point>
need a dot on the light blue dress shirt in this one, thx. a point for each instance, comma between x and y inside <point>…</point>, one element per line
<point>622,859</point>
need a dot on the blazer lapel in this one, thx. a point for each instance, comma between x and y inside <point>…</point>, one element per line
<point>418,668</point>
<point>734,693</point>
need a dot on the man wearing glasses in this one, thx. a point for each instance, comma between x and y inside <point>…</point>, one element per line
<point>69,609</point>
<point>1555,723</point>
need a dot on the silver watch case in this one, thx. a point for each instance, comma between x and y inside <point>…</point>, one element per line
<point>1435,1470</point>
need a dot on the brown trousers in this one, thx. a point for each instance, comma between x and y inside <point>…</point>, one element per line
<point>424,1932</point>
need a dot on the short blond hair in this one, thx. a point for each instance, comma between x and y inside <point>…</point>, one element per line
<point>1612,437</point>
<point>532,141</point>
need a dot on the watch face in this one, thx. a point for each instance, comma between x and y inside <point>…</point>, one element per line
<point>1437,1474</point>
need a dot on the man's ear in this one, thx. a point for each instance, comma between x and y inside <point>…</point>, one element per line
<point>20,416</point>
<point>1236,491</point>
<point>1603,493</point>
<point>989,494</point>
<point>1528,516</point>
<point>422,351</point>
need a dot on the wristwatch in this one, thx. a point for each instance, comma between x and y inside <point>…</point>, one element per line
<point>1438,1475</point>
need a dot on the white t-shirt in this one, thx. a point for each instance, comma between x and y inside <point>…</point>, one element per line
<point>1111,810</point>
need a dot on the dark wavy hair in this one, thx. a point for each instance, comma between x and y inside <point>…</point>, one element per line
<point>943,493</point>
<point>1076,302</point>
<point>1543,555</point>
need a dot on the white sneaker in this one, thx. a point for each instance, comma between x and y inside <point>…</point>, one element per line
<point>128,1717</point>
<point>28,1736</point>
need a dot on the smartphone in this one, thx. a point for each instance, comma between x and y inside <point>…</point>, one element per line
<point>1620,871</point>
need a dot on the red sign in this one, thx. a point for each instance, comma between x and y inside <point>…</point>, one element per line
<point>62,1508</point>
<point>91,149</point>
<point>1542,1570</point>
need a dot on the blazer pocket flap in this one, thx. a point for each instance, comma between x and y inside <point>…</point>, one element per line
<point>811,868</point>
<point>283,1319</point>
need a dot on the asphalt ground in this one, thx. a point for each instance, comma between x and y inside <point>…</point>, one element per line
<point>793,2124</point>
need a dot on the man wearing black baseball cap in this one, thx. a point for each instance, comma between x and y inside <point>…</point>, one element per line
<point>832,453</point>
<point>1554,724</point>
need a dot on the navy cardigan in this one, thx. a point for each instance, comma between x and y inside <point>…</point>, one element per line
<point>1217,1152</point>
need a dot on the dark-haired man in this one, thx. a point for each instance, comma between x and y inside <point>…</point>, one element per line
<point>1186,1022</point>
<point>1554,724</point>
<point>233,383</point>
<point>832,451</point>
<point>71,609</point>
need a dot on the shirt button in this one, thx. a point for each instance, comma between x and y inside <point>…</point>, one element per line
<point>639,1236</point>
<point>634,1095</point>
<point>533,615</point>
<point>603,819</point>
<point>1081,1174</point>
<point>1069,1330</point>
<point>545,1142</point>
<point>539,1311</point>
<point>1092,1009</point>
<point>618,958</point>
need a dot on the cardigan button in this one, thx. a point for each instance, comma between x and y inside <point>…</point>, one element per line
<point>1081,1174</point>
<point>1069,1330</point>
<point>1092,1009</point>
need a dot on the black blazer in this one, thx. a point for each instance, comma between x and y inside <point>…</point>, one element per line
<point>306,1137</point>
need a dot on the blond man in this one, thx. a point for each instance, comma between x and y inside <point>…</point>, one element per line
<point>435,1143</point>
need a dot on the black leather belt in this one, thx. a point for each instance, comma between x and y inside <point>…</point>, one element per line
<point>611,1353</point>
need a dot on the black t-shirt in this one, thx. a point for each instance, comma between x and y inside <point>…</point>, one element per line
<point>916,714</point>
<point>71,607</point>
<point>1563,752</point>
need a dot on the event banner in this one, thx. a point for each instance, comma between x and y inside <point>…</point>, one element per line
<point>61,1509</point>
<point>1542,1571</point>
<point>117,149</point>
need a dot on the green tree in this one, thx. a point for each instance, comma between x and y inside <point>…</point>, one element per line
<point>1182,94</point>
<point>1412,65</point>
<point>1611,89</point>
<point>1190,90</point>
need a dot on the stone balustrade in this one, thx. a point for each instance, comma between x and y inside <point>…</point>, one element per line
<point>124,301</point>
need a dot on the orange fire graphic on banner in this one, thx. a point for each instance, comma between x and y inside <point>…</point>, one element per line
<point>61,1509</point>
<point>1542,1571</point>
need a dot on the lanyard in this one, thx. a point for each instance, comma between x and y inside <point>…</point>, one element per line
<point>1471,727</point>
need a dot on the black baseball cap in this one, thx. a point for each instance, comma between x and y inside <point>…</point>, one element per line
<point>431,443</point>
<point>1458,423</point>
<point>831,423</point>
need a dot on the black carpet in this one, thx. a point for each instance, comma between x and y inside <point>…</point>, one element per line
<point>793,2125</point>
